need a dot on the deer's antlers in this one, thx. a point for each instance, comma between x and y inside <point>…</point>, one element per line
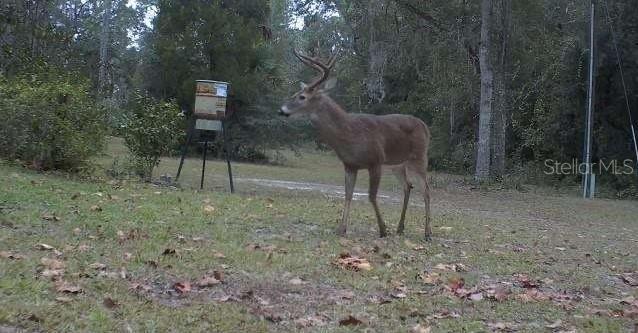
<point>323,68</point>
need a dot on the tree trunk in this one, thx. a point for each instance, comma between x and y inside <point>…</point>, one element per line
<point>502,19</point>
<point>482,171</point>
<point>377,54</point>
<point>104,46</point>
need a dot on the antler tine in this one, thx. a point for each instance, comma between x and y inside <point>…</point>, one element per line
<point>317,64</point>
<point>306,60</point>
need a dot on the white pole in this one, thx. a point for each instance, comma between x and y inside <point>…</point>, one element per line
<point>587,177</point>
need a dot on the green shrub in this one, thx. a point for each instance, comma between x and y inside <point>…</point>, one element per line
<point>49,120</point>
<point>151,130</point>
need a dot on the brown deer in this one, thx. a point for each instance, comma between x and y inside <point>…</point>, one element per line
<point>364,141</point>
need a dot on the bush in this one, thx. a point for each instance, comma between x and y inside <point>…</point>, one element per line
<point>151,130</point>
<point>49,120</point>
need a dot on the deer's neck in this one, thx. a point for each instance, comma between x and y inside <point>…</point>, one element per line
<point>330,120</point>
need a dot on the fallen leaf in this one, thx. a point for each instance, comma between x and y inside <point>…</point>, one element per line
<point>169,252</point>
<point>350,321</point>
<point>139,286</point>
<point>476,296</point>
<point>218,255</point>
<point>66,287</point>
<point>182,287</point>
<point>77,231</point>
<point>630,278</point>
<point>52,263</point>
<point>97,266</point>
<point>455,283</point>
<point>555,324</point>
<point>346,261</point>
<point>446,314</point>
<point>451,267</point>
<point>224,298</point>
<point>312,321</point>
<point>44,247</point>
<point>345,294</point>
<point>109,303</point>
<point>501,326</point>
<point>83,247</point>
<point>296,281</point>
<point>10,255</point>
<point>420,329</point>
<point>52,273</point>
<point>430,278</point>
<point>50,217</point>
<point>95,208</point>
<point>208,281</point>
<point>208,209</point>
<point>63,299</point>
<point>526,282</point>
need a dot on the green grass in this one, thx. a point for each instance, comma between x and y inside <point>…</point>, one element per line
<point>576,247</point>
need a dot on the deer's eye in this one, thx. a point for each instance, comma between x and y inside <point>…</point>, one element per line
<point>302,97</point>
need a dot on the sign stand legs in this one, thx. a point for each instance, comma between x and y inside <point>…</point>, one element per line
<point>227,156</point>
<point>201,184</point>
<point>189,137</point>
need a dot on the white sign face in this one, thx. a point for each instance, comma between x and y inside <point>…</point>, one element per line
<point>221,89</point>
<point>208,125</point>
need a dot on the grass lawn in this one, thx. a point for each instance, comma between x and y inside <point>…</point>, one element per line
<point>108,256</point>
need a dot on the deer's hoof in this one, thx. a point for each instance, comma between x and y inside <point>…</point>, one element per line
<point>341,231</point>
<point>400,231</point>
<point>382,234</point>
<point>428,238</point>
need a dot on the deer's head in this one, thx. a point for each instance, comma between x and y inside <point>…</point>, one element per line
<point>304,100</point>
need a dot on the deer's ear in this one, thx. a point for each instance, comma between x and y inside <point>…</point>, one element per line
<point>303,85</point>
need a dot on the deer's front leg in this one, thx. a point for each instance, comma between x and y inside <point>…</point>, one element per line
<point>351,179</point>
<point>375,178</point>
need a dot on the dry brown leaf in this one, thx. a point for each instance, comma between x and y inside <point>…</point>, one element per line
<point>346,261</point>
<point>182,287</point>
<point>83,247</point>
<point>455,283</point>
<point>208,209</point>
<point>351,320</point>
<point>95,208</point>
<point>296,281</point>
<point>451,267</point>
<point>52,273</point>
<point>555,324</point>
<point>44,247</point>
<point>345,294</point>
<point>97,266</point>
<point>52,263</point>
<point>526,282</point>
<point>630,278</point>
<point>50,217</point>
<point>430,278</point>
<point>208,281</point>
<point>420,329</point>
<point>109,303</point>
<point>10,255</point>
<point>66,287</point>
<point>218,255</point>
<point>312,321</point>
<point>63,299</point>
<point>501,326</point>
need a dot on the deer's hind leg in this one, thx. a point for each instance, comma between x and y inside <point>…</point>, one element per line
<point>401,173</point>
<point>418,169</point>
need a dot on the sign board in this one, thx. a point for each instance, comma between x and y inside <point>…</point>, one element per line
<point>210,99</point>
<point>208,125</point>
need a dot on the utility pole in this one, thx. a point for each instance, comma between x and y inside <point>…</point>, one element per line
<point>588,182</point>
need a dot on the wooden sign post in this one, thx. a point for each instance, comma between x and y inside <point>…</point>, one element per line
<point>208,116</point>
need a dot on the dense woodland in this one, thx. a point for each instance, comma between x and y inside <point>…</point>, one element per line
<point>502,84</point>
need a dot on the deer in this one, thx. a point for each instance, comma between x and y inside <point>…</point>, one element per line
<point>365,141</point>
